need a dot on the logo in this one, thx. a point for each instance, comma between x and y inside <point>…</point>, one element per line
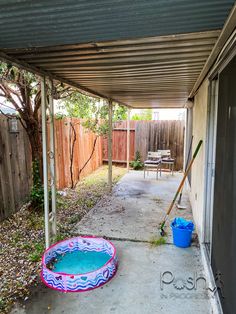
<point>184,286</point>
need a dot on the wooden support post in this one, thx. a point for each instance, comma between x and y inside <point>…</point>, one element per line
<point>45,162</point>
<point>110,145</point>
<point>128,139</point>
<point>52,161</point>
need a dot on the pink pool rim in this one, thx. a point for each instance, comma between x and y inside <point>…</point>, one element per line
<point>79,282</point>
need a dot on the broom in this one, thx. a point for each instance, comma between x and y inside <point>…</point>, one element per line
<point>162,225</point>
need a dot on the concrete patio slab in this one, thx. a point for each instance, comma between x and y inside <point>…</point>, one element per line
<point>135,208</point>
<point>131,216</point>
<point>136,288</point>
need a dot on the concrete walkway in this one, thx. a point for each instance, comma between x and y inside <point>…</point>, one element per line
<point>162,279</point>
<point>135,209</point>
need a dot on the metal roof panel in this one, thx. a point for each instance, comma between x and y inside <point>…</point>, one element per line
<point>148,72</point>
<point>27,23</point>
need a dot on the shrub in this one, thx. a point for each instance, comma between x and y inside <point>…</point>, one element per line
<point>137,164</point>
<point>37,191</point>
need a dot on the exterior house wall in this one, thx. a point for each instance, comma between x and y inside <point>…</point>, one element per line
<point>197,188</point>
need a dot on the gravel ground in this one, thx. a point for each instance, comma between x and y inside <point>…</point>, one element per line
<point>22,235</point>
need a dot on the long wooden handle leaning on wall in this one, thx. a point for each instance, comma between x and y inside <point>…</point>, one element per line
<point>181,184</point>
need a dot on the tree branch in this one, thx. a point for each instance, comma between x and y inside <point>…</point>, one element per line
<point>9,97</point>
<point>91,155</point>
<point>72,153</point>
<point>37,102</point>
<point>22,123</point>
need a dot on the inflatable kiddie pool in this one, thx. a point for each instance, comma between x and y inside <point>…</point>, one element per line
<point>79,264</point>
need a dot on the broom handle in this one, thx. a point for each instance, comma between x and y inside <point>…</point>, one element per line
<point>189,151</point>
<point>190,146</point>
<point>184,177</point>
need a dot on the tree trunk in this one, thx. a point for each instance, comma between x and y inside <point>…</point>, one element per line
<point>35,139</point>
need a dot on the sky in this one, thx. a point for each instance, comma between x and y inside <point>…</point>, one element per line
<point>163,114</point>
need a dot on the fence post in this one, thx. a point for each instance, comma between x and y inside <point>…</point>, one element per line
<point>45,162</point>
<point>128,138</point>
<point>110,144</point>
<point>52,215</point>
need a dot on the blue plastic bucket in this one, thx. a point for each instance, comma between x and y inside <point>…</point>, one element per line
<point>181,237</point>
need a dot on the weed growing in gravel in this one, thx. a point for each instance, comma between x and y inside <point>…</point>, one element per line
<point>1,304</point>
<point>26,246</point>
<point>35,221</point>
<point>38,249</point>
<point>16,237</point>
<point>60,237</point>
<point>73,219</point>
<point>62,202</point>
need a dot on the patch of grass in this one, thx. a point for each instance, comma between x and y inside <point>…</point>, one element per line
<point>99,177</point>
<point>16,237</point>
<point>37,252</point>
<point>61,203</point>
<point>90,202</point>
<point>2,304</point>
<point>26,246</point>
<point>117,177</point>
<point>95,185</point>
<point>60,237</point>
<point>155,241</point>
<point>35,221</point>
<point>73,219</point>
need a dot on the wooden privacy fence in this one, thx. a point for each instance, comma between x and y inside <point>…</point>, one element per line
<point>15,160</point>
<point>15,156</point>
<point>69,133</point>
<point>119,138</point>
<point>148,136</point>
<point>15,167</point>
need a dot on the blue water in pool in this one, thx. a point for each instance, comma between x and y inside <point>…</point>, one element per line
<point>80,262</point>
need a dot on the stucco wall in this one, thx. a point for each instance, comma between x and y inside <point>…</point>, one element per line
<point>198,169</point>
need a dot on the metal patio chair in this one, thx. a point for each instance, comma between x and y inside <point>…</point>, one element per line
<point>153,162</point>
<point>166,159</point>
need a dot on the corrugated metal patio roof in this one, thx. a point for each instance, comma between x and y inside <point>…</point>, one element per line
<point>150,72</point>
<point>106,46</point>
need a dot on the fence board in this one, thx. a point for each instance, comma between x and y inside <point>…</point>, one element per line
<point>119,147</point>
<point>15,173</point>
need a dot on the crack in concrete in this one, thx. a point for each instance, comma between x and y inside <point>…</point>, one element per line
<point>127,239</point>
